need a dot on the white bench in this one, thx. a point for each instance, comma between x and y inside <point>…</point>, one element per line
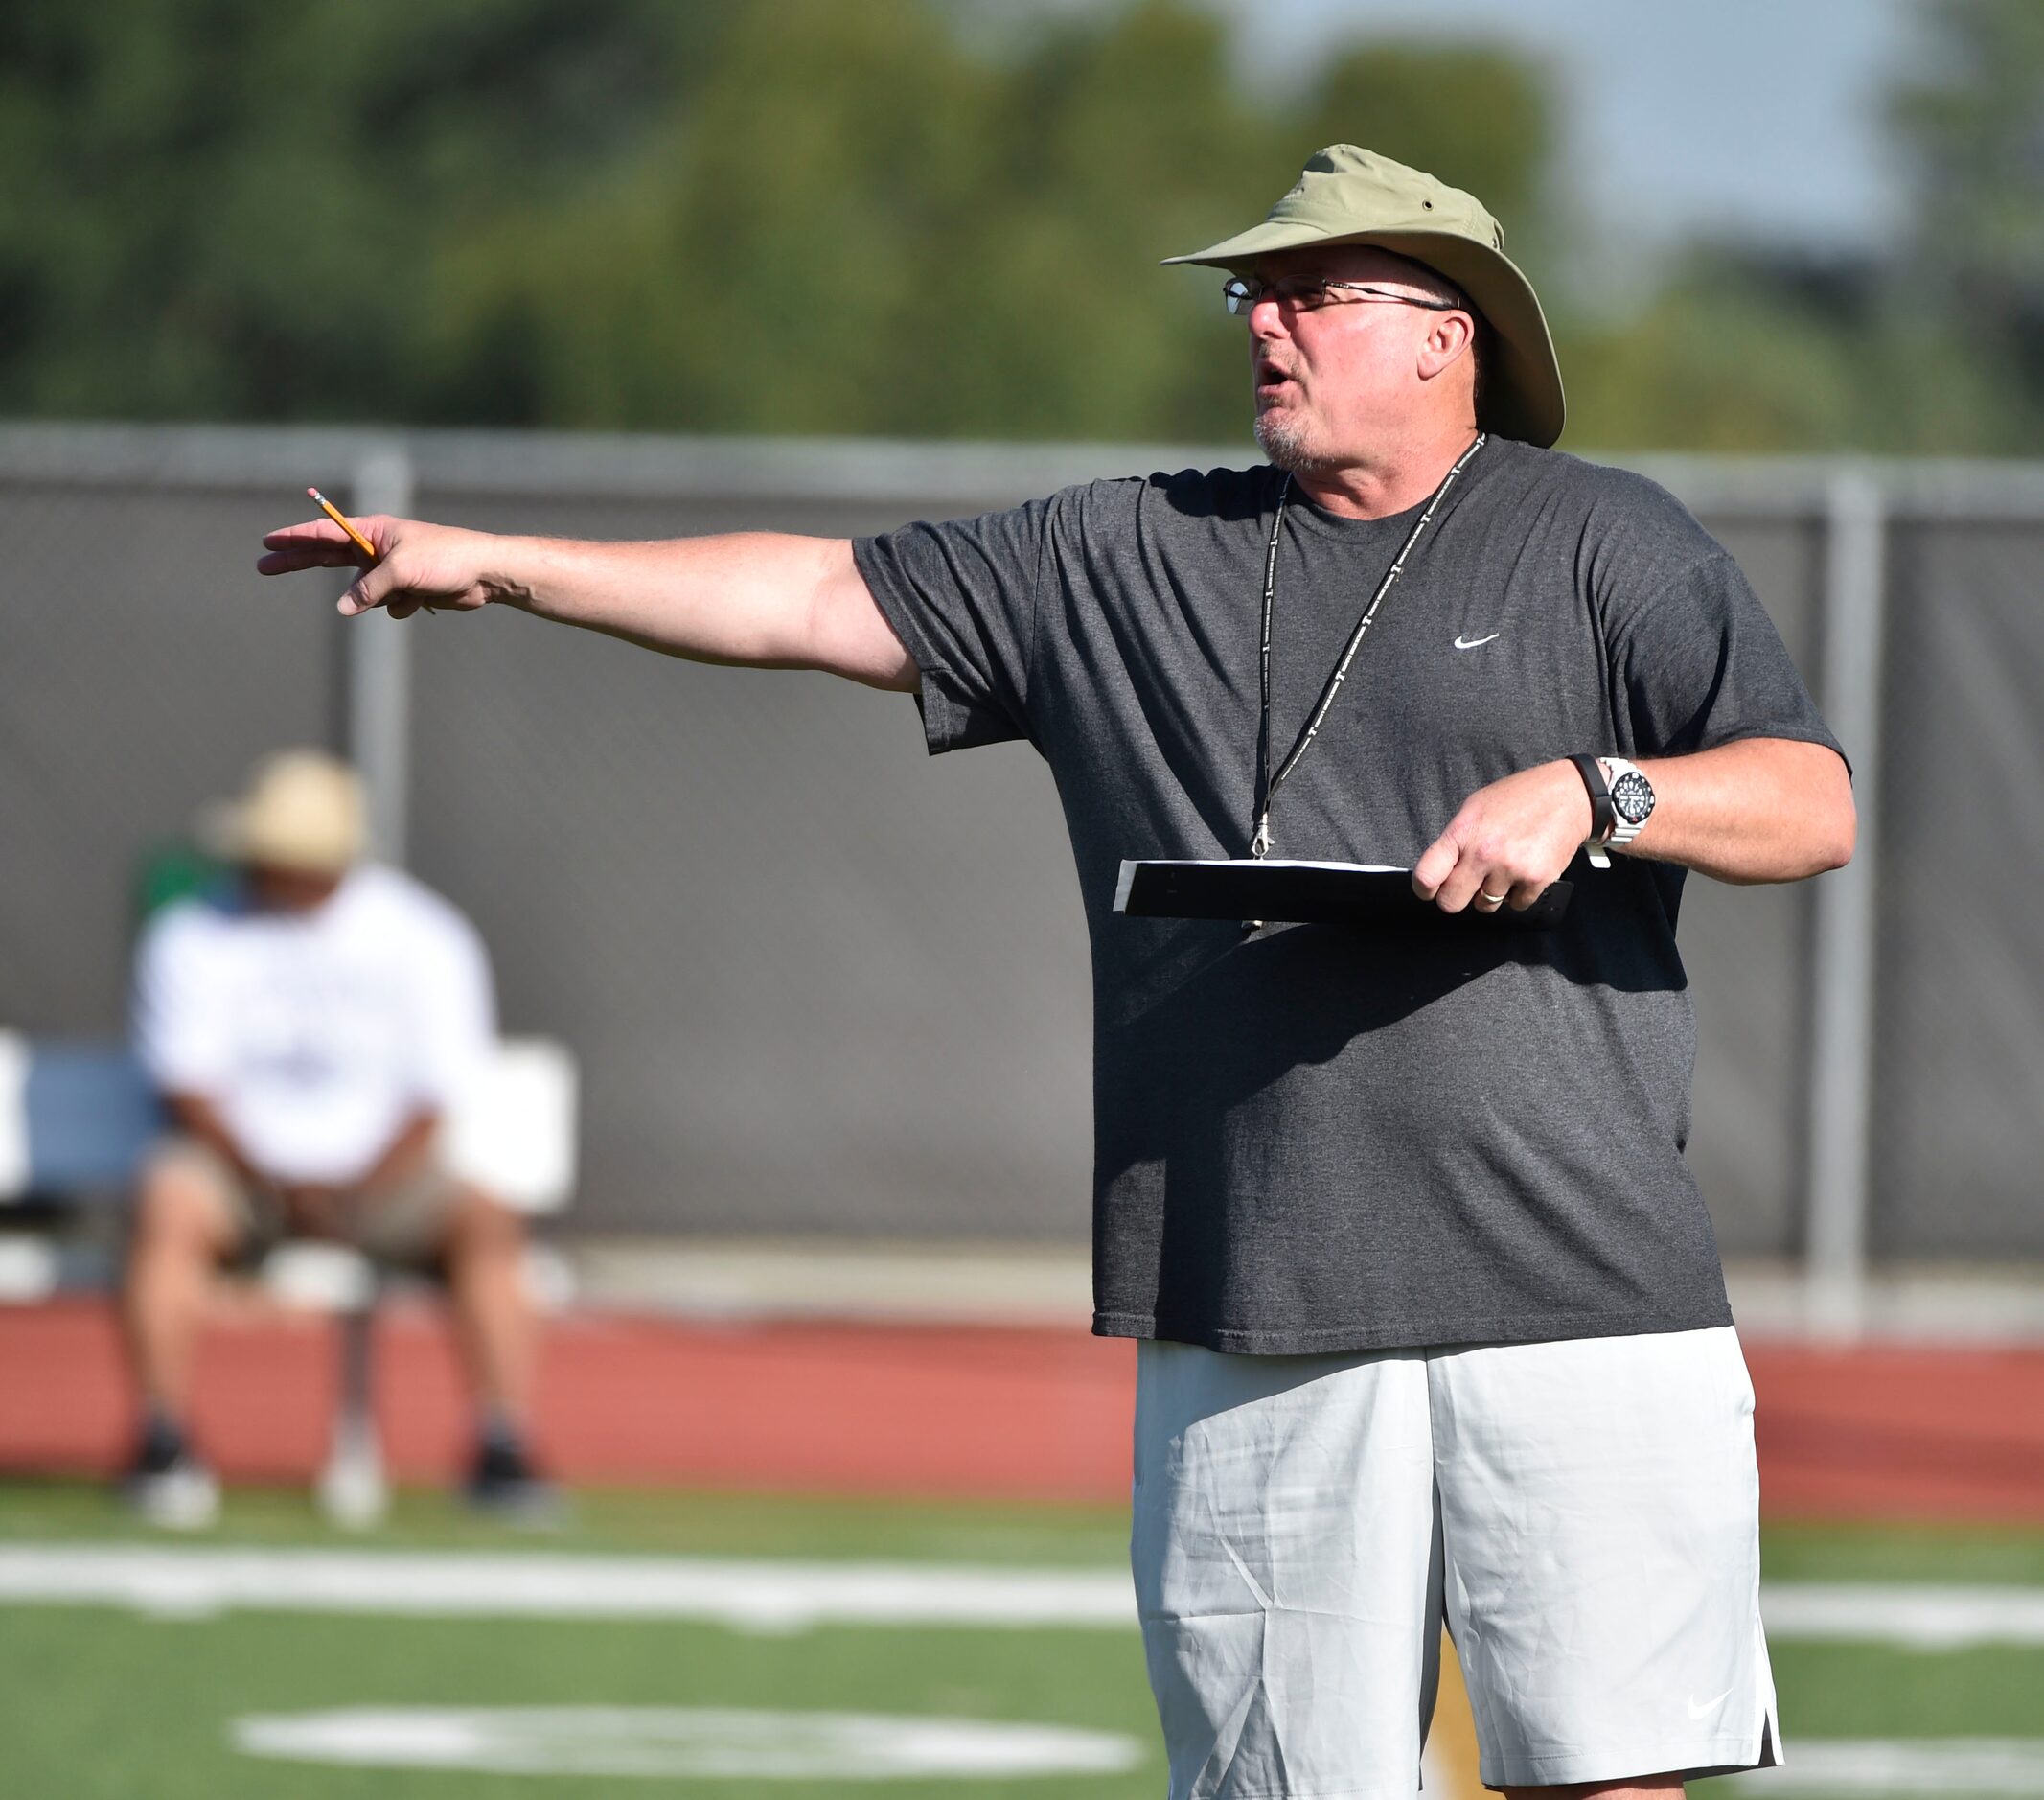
<point>75,1116</point>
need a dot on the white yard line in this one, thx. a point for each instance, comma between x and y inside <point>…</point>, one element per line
<point>757,1595</point>
<point>1905,1769</point>
<point>668,1741</point>
<point>1916,1616</point>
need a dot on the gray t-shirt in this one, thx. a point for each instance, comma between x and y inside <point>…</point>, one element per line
<point>1319,1138</point>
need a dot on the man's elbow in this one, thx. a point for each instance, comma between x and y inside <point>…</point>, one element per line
<point>1843,840</point>
<point>1837,826</point>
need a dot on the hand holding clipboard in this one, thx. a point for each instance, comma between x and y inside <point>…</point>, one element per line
<point>1279,891</point>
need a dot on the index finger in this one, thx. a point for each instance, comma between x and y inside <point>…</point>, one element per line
<point>316,543</point>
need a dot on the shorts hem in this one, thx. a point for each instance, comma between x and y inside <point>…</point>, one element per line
<point>1377,1790</point>
<point>403,1226</point>
<point>1695,1759</point>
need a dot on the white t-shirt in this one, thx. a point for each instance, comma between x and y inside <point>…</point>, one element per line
<point>316,1034</point>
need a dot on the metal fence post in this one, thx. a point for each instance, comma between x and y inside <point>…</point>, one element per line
<point>1843,979</point>
<point>378,710</point>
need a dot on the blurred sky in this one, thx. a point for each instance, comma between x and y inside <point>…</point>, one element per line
<point>1758,115</point>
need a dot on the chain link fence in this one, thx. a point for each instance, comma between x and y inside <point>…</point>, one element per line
<point>818,983</point>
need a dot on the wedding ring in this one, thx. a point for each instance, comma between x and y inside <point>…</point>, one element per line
<point>1496,899</point>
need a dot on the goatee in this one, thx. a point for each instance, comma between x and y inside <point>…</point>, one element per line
<point>1284,443</point>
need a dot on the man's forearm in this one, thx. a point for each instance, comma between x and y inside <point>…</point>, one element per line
<point>1760,809</point>
<point>755,599</point>
<point>762,599</point>
<point>1764,808</point>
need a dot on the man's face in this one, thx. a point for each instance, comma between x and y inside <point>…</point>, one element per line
<point>275,889</point>
<point>1332,378</point>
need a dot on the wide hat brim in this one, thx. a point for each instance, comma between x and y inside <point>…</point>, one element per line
<point>1523,397</point>
<point>304,810</point>
<point>236,833</point>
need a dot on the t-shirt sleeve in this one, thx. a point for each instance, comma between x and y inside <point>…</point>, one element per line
<point>1697,662</point>
<point>962,598</point>
<point>181,1033</point>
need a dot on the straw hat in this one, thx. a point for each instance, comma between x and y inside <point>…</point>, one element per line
<point>303,810</point>
<point>1351,196</point>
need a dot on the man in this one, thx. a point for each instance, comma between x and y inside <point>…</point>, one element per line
<point>309,1032</point>
<point>1431,1318</point>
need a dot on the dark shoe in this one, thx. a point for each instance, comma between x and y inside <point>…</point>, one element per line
<point>168,1485</point>
<point>502,1479</point>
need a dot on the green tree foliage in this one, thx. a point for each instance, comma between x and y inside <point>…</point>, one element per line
<point>1740,352</point>
<point>783,216</point>
<point>899,217</point>
<point>1973,122</point>
<point>856,225</point>
<point>229,208</point>
<point>1935,346</point>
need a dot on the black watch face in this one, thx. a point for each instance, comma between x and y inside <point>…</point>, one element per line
<point>1633,794</point>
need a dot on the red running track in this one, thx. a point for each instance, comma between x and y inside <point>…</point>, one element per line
<point>1008,1412</point>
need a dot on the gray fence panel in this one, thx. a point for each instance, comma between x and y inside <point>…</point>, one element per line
<point>145,666</point>
<point>1958,1167</point>
<point>817,982</point>
<point>1746,951</point>
<point>820,983</point>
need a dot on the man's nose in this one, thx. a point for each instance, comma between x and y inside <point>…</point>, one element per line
<point>1266,319</point>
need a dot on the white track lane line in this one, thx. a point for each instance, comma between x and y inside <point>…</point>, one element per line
<point>795,1596</point>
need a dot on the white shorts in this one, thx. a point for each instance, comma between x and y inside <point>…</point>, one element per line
<point>1583,1515</point>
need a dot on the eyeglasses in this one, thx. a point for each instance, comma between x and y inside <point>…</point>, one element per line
<point>1308,294</point>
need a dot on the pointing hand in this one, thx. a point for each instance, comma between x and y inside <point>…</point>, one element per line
<point>416,565</point>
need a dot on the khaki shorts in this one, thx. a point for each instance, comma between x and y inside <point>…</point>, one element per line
<point>405,1223</point>
<point>1582,1515</point>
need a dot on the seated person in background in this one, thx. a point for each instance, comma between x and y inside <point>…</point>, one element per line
<point>308,1032</point>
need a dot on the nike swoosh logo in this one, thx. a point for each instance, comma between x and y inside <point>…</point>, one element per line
<point>1473,643</point>
<point>1708,1706</point>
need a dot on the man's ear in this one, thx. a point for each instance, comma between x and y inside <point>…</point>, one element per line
<point>1447,341</point>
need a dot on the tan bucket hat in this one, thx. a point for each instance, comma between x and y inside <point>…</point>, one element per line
<point>303,810</point>
<point>1351,196</point>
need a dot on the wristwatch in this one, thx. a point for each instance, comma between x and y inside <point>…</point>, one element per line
<point>1622,800</point>
<point>1632,798</point>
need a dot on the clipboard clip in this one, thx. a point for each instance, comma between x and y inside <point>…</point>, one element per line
<point>1259,848</point>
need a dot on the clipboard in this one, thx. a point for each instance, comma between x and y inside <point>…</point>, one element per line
<point>1283,892</point>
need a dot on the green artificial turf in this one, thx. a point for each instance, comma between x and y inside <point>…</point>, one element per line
<point>102,1702</point>
<point>1990,1556</point>
<point>620,1522</point>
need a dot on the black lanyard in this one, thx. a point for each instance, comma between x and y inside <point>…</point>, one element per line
<point>1260,839</point>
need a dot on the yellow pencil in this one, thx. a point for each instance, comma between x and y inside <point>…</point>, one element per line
<point>342,519</point>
